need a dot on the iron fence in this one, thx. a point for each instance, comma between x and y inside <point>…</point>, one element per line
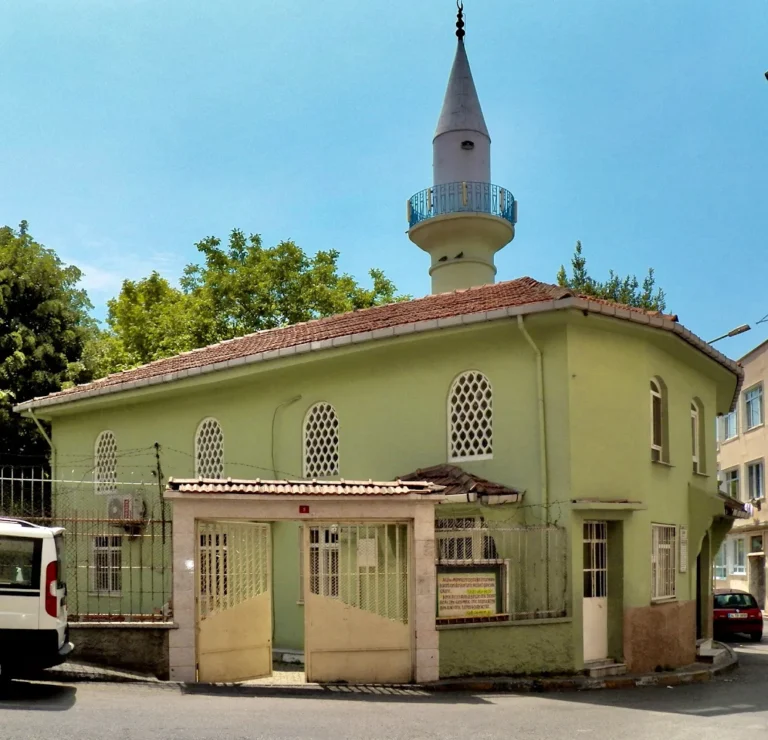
<point>117,546</point>
<point>458,197</point>
<point>526,568</point>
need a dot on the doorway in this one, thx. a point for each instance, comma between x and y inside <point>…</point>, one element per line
<point>595,603</point>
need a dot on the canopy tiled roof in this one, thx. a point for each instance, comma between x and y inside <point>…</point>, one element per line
<point>484,303</point>
<point>455,480</point>
<point>302,487</point>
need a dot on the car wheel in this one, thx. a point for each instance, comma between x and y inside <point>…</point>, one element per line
<point>756,638</point>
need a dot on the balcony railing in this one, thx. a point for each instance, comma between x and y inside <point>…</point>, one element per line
<point>462,197</point>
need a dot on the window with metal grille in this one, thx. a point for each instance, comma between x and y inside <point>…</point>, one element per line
<point>595,538</point>
<point>755,476</point>
<point>209,450</point>
<point>738,556</point>
<point>214,575</point>
<point>105,464</point>
<point>663,567</point>
<point>753,407</point>
<point>470,417</point>
<point>464,540</point>
<point>324,561</point>
<point>321,442</point>
<point>658,414</point>
<point>107,568</point>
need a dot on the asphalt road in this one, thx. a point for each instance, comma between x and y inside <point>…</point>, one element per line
<point>735,706</point>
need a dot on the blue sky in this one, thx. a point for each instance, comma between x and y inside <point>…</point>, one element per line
<point>133,128</point>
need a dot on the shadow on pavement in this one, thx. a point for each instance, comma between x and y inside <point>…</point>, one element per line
<point>36,696</point>
<point>742,691</point>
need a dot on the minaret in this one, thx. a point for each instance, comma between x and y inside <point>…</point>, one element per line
<point>462,220</point>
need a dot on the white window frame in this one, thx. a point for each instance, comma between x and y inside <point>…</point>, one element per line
<point>757,390</point>
<point>752,493</point>
<point>657,445</point>
<point>695,437</point>
<point>663,562</point>
<point>720,563</point>
<point>107,577</point>
<point>105,475</point>
<point>728,479</point>
<point>198,473</point>
<point>460,378</point>
<point>736,568</point>
<point>729,421</point>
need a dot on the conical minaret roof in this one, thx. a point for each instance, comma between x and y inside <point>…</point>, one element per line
<point>461,107</point>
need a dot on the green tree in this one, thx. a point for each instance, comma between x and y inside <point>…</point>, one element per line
<point>240,288</point>
<point>44,328</point>
<point>627,290</point>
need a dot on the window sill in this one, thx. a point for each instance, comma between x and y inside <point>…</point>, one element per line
<point>105,595</point>
<point>664,600</point>
<point>761,425</point>
<point>472,458</point>
<point>728,441</point>
<point>739,573</point>
<point>699,474</point>
<point>663,463</point>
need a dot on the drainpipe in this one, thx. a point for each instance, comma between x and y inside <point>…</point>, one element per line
<point>272,438</point>
<point>542,418</point>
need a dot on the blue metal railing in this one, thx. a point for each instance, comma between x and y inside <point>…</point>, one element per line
<point>459,197</point>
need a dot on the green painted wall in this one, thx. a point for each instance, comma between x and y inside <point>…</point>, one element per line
<point>391,399</point>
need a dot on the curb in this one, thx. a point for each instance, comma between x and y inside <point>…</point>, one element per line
<point>485,685</point>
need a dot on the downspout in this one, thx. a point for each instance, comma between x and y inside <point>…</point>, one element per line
<point>542,418</point>
<point>272,437</point>
<point>542,444</point>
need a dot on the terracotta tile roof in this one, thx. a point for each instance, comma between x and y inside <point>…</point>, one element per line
<point>303,487</point>
<point>430,312</point>
<point>454,480</point>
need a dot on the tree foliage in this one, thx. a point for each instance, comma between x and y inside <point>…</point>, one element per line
<point>627,290</point>
<point>44,328</point>
<point>238,288</point>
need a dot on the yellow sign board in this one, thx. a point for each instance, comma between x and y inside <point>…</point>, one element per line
<point>470,594</point>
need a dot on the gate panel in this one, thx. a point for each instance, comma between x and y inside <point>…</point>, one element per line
<point>234,601</point>
<point>357,626</point>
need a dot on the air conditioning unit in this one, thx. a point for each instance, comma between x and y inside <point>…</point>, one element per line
<point>121,507</point>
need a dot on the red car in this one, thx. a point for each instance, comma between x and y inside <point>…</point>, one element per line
<point>737,613</point>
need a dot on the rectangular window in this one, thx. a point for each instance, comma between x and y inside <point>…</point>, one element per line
<point>721,568</point>
<point>756,543</point>
<point>753,407</point>
<point>663,567</point>
<point>729,427</point>
<point>107,568</point>
<point>755,480</point>
<point>739,557</point>
<point>732,483</point>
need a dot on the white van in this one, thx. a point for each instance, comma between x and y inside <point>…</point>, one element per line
<point>33,598</point>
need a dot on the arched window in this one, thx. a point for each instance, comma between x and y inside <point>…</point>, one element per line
<point>470,418</point>
<point>209,450</point>
<point>105,463</point>
<point>697,436</point>
<point>659,447</point>
<point>321,441</point>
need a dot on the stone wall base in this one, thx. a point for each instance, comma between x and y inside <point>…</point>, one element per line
<point>660,636</point>
<point>134,647</point>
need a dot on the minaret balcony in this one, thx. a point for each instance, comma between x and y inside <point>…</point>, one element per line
<point>462,197</point>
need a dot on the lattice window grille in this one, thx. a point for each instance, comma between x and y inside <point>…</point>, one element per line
<point>321,442</point>
<point>471,417</point>
<point>209,450</point>
<point>465,540</point>
<point>105,467</point>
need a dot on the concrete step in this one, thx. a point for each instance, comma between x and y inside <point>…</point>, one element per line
<point>604,668</point>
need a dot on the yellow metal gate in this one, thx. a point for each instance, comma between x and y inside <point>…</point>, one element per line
<point>234,601</point>
<point>357,626</point>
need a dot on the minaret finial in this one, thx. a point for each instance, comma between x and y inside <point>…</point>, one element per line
<point>460,20</point>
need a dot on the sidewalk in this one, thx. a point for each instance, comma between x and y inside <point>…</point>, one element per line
<point>695,673</point>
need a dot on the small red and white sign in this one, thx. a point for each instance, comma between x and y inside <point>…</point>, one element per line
<point>303,509</point>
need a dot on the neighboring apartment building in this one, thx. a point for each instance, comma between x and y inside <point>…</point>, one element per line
<point>742,451</point>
